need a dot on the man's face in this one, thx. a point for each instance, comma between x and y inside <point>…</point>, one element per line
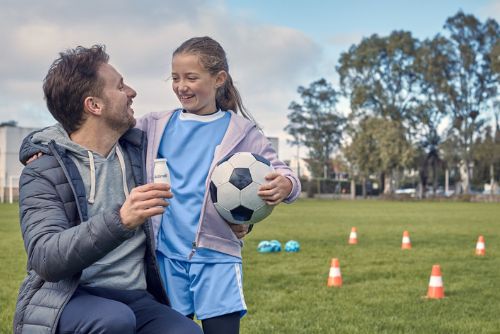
<point>117,98</point>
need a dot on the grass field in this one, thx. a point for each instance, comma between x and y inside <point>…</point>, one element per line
<point>384,287</point>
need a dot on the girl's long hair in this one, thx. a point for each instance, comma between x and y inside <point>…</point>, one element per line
<point>213,58</point>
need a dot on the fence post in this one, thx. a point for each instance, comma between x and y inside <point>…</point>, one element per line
<point>11,193</point>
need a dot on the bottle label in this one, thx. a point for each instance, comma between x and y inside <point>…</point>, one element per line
<point>161,173</point>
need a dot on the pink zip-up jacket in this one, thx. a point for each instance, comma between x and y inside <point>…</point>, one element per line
<point>241,136</point>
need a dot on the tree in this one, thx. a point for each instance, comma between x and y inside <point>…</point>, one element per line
<point>495,57</point>
<point>429,113</point>
<point>378,77</point>
<point>316,124</point>
<point>450,156</point>
<point>379,145</point>
<point>468,83</point>
<point>363,153</point>
<point>487,158</point>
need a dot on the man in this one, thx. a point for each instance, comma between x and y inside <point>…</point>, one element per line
<point>91,265</point>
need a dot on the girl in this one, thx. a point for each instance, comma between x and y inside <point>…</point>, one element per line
<point>199,254</point>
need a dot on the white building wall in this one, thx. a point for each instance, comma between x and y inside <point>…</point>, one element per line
<point>275,143</point>
<point>11,138</point>
<point>299,167</point>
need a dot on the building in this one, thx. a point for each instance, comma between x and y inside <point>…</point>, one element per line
<point>275,143</point>
<point>11,137</point>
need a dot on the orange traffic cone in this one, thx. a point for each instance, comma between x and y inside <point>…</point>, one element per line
<point>334,277</point>
<point>436,289</point>
<point>406,244</point>
<point>480,246</point>
<point>353,237</point>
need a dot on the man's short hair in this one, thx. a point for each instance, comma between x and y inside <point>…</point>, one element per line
<point>71,79</point>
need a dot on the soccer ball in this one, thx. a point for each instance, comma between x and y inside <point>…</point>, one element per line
<point>265,247</point>
<point>234,184</point>
<point>276,245</point>
<point>292,246</point>
<point>273,246</point>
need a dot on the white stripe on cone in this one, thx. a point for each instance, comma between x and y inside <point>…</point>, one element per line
<point>334,272</point>
<point>480,245</point>
<point>406,240</point>
<point>436,281</point>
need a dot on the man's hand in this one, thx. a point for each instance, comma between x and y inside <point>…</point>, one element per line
<point>240,230</point>
<point>278,188</point>
<point>34,157</point>
<point>144,202</point>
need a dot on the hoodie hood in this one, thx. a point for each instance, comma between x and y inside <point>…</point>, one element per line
<point>61,137</point>
<point>86,160</point>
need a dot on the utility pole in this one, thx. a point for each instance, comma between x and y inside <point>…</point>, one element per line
<point>298,159</point>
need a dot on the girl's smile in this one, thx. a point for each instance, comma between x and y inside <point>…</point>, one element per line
<point>194,86</point>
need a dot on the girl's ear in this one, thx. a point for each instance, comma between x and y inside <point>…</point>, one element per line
<point>220,79</point>
<point>93,105</point>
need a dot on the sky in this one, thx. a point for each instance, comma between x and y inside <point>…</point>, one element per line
<point>273,46</point>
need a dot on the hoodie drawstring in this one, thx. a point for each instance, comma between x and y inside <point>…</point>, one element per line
<point>124,174</point>
<point>92,174</point>
<point>92,178</point>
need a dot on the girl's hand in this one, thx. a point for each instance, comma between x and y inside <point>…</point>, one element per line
<point>278,188</point>
<point>240,230</point>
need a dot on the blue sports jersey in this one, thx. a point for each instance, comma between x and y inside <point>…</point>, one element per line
<point>188,143</point>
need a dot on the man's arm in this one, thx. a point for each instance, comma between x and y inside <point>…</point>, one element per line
<point>57,250</point>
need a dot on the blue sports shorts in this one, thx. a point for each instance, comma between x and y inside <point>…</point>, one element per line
<point>205,289</point>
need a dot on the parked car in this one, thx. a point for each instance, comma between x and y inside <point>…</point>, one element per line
<point>406,191</point>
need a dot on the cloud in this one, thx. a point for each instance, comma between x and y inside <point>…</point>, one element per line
<point>491,10</point>
<point>267,62</point>
<point>345,40</point>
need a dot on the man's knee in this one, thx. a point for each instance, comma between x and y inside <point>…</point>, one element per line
<point>120,321</point>
<point>167,321</point>
<point>110,318</point>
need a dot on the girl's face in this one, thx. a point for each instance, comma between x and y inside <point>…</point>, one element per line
<point>194,86</point>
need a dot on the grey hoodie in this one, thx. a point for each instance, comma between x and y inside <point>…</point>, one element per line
<point>107,183</point>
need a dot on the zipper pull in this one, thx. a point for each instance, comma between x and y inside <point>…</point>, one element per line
<point>193,250</point>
